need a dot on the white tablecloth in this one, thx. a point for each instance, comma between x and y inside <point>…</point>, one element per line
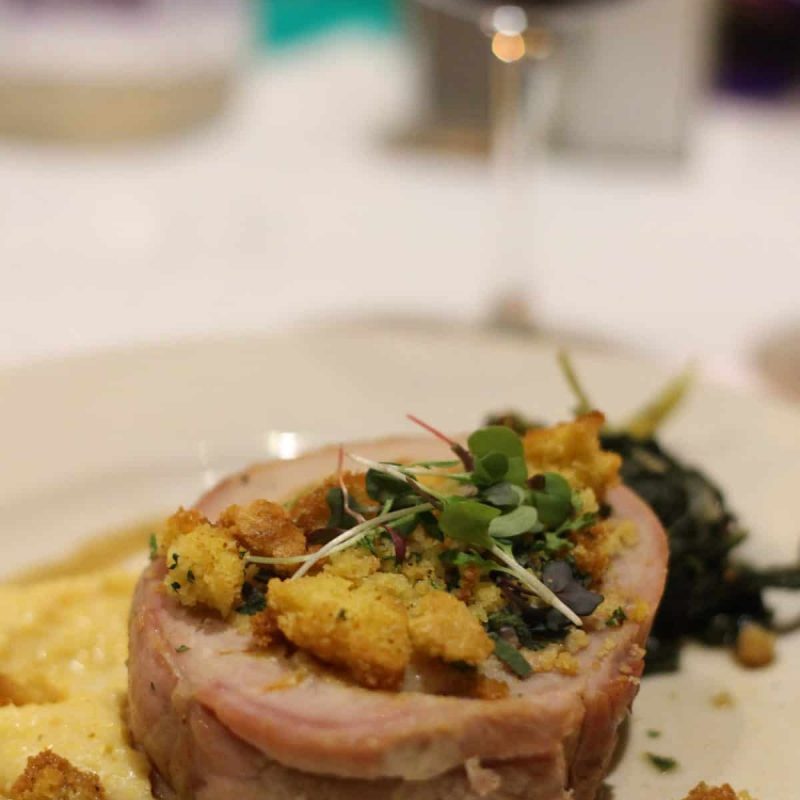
<point>294,207</point>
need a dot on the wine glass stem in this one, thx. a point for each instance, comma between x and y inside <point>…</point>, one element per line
<point>517,149</point>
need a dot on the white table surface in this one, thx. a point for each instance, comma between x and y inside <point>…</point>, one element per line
<point>293,207</point>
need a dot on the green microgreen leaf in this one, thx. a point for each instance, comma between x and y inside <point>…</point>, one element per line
<point>182,648</point>
<point>511,657</point>
<point>552,496</point>
<point>460,558</point>
<point>521,520</point>
<point>431,526</point>
<point>504,495</point>
<point>552,544</point>
<point>467,521</point>
<point>383,487</point>
<point>492,467</point>
<point>496,439</point>
<point>577,524</point>
<point>339,518</point>
<point>497,467</point>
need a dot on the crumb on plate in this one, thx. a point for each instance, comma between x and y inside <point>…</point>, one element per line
<point>48,776</point>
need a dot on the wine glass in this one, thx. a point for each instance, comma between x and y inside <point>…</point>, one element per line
<point>523,38</point>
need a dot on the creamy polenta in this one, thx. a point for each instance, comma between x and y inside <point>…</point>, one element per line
<point>63,679</point>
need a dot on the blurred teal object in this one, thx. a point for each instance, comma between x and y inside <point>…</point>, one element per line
<point>284,22</point>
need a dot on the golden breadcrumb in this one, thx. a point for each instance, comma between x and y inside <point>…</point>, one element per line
<point>443,627</point>
<point>310,510</point>
<point>263,528</point>
<point>181,522</point>
<point>488,599</point>
<point>724,792</point>
<point>364,631</point>
<point>595,547</point>
<point>573,449</point>
<point>48,776</point>
<point>265,630</point>
<point>755,645</point>
<point>470,577</point>
<point>205,567</point>
<point>353,564</point>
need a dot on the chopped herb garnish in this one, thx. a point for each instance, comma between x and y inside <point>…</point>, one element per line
<point>153,547</point>
<point>253,600</point>
<point>512,658</point>
<point>190,576</point>
<point>618,616</point>
<point>652,733</point>
<point>342,615</point>
<point>175,586</point>
<point>661,763</point>
<point>175,559</point>
<point>182,648</point>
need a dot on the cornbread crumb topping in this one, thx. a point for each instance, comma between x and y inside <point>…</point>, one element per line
<point>423,585</point>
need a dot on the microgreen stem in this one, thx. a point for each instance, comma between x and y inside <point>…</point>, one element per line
<point>353,536</point>
<point>646,421</point>
<point>398,474</point>
<point>535,585</point>
<point>345,494</point>
<point>463,454</point>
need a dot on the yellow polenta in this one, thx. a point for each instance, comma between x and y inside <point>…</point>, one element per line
<point>63,647</point>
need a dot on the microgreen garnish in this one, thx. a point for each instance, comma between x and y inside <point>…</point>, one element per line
<point>153,541</point>
<point>559,577</point>
<point>495,518</point>
<point>460,558</point>
<point>504,495</point>
<point>511,657</point>
<point>348,507</point>
<point>618,616</point>
<point>182,648</point>
<point>253,600</point>
<point>499,456</point>
<point>524,519</point>
<point>341,542</point>
<point>468,521</point>
<point>662,763</point>
<point>552,497</point>
<point>339,517</point>
<point>463,454</point>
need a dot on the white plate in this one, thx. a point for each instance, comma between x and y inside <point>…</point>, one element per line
<point>96,443</point>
